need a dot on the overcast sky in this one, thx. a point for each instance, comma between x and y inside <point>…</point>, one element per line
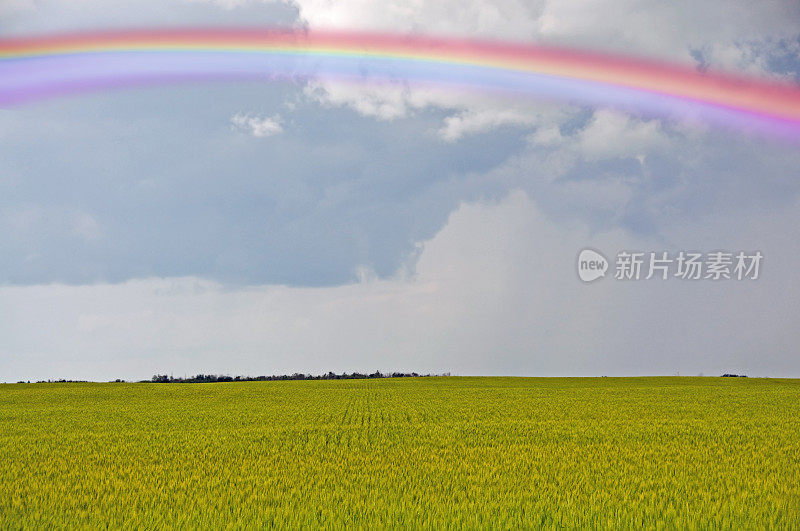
<point>252,228</point>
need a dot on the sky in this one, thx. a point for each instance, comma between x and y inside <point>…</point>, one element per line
<point>309,226</point>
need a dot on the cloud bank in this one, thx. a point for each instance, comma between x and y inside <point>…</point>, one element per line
<point>257,126</point>
<point>494,292</point>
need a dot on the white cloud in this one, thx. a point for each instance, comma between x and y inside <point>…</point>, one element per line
<point>611,134</point>
<point>731,35</point>
<point>472,111</point>
<point>382,102</point>
<point>507,18</point>
<point>481,118</point>
<point>257,126</point>
<point>650,27</point>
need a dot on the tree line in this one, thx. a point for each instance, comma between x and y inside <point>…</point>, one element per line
<point>215,378</point>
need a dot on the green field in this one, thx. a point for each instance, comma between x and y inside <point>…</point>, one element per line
<point>434,452</point>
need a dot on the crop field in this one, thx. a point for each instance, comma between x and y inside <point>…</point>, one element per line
<point>421,452</point>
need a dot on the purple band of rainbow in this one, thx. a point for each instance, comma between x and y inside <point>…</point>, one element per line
<point>41,67</point>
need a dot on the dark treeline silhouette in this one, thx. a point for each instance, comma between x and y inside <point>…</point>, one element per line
<point>214,378</point>
<point>59,381</point>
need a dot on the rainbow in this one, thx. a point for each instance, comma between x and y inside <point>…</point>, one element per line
<point>42,67</point>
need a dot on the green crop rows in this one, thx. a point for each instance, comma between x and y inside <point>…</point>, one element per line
<point>423,452</point>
